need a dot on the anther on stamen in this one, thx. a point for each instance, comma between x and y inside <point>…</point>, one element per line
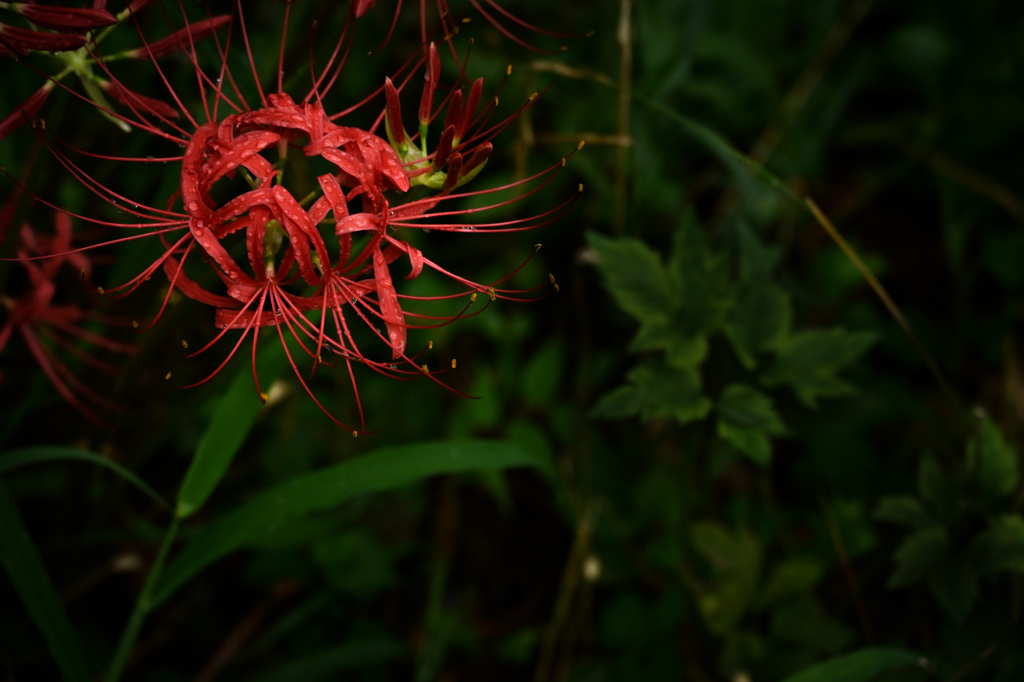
<point>425,369</point>
<point>508,71</point>
<point>536,247</point>
<point>551,278</point>
<point>580,145</point>
<point>184,344</point>
<point>453,363</point>
<point>492,294</point>
<point>430,344</point>
<point>167,377</point>
<point>135,324</point>
<point>472,298</point>
<point>355,434</point>
<point>557,288</point>
<point>263,398</point>
<point>99,290</point>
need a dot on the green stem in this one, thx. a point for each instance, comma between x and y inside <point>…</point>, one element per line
<point>142,606</point>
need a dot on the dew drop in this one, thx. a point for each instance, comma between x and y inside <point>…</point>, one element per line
<point>193,205</point>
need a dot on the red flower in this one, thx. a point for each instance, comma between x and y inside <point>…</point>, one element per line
<point>46,326</point>
<point>311,257</point>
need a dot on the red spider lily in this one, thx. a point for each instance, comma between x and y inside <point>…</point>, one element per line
<point>45,325</point>
<point>313,261</point>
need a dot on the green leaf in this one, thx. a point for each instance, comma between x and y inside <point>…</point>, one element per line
<point>635,277</point>
<point>25,567</point>
<point>1001,546</point>
<point>701,280</point>
<point>37,455</point>
<point>232,420</point>
<point>656,392</point>
<point>791,578</point>
<point>682,350</point>
<point>919,554</point>
<point>860,666</point>
<point>955,586</point>
<point>327,488</point>
<point>760,320</point>
<point>804,622</point>
<point>905,510</point>
<point>746,419</point>
<point>735,558</point>
<point>994,464</point>
<point>327,663</point>
<point>763,314</point>
<point>808,362</point>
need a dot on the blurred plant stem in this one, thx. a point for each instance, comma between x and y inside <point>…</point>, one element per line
<point>142,607</point>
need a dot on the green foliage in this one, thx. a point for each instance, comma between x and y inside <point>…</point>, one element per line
<point>682,304</point>
<point>860,666</point>
<point>327,488</point>
<point>808,362</point>
<point>232,420</point>
<point>936,550</point>
<point>711,523</point>
<point>28,574</point>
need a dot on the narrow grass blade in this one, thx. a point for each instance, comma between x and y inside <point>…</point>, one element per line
<point>382,470</point>
<point>232,421</point>
<point>25,567</point>
<point>860,666</point>
<point>37,455</point>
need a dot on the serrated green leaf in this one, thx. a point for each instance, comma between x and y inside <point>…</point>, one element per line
<point>791,578</point>
<point>1001,546</point>
<point>804,622</point>
<point>327,488</point>
<point>954,583</point>
<point>860,666</point>
<point>763,314</point>
<point>19,556</point>
<point>635,276</point>
<point>919,554</point>
<point>232,420</point>
<point>735,558</point>
<point>730,553</point>
<point>746,419</point>
<point>902,509</point>
<point>656,392</point>
<point>758,323</point>
<point>808,362</point>
<point>37,455</point>
<point>993,463</point>
<point>682,350</point>
<point>702,284</point>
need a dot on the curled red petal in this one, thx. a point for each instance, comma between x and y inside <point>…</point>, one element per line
<point>26,110</point>
<point>140,102</point>
<point>66,18</point>
<point>431,75</point>
<point>390,308</point>
<point>21,40</point>
<point>182,38</point>
<point>360,6</point>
